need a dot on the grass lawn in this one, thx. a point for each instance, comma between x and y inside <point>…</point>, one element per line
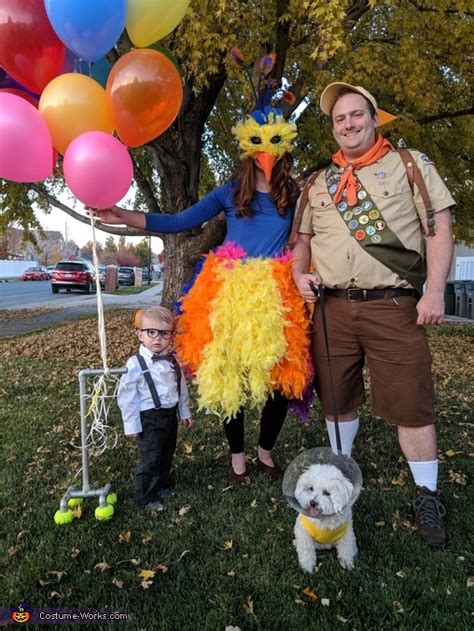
<point>220,556</point>
<point>127,289</point>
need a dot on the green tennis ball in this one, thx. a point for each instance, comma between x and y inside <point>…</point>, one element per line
<point>104,513</point>
<point>112,498</point>
<point>63,517</point>
<point>75,501</point>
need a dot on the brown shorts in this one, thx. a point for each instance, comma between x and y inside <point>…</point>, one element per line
<point>386,334</point>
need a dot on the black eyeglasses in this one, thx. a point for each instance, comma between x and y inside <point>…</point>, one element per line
<point>166,334</point>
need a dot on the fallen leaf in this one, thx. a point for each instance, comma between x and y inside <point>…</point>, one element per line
<point>230,628</point>
<point>57,575</point>
<point>146,537</point>
<point>400,574</point>
<point>77,511</point>
<point>124,537</point>
<point>161,568</point>
<point>450,453</point>
<point>380,524</point>
<point>248,606</point>
<point>187,448</point>
<point>117,583</point>
<point>75,552</point>
<point>21,534</point>
<point>398,607</point>
<point>470,582</point>
<point>325,602</point>
<point>102,566</point>
<point>341,619</point>
<point>146,574</point>
<point>146,584</point>
<point>253,504</point>
<point>458,478</point>
<point>228,545</point>
<point>231,573</point>
<point>307,591</point>
<point>183,510</point>
<point>400,480</point>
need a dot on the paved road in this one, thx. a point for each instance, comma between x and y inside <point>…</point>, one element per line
<point>70,306</point>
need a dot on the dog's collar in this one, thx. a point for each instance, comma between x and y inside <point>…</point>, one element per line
<point>323,535</point>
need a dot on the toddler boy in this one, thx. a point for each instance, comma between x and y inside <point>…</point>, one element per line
<point>149,395</point>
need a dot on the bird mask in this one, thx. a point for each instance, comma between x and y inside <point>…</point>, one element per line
<point>265,135</point>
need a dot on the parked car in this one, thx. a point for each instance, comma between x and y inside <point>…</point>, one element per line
<point>73,275</point>
<point>50,269</point>
<point>146,275</point>
<point>35,273</point>
<point>126,276</point>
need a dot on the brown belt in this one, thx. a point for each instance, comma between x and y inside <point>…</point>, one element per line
<point>360,295</point>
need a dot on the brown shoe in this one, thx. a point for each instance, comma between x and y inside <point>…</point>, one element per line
<point>237,478</point>
<point>275,473</point>
<point>429,513</point>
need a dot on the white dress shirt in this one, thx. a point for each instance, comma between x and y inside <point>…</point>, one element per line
<point>134,395</point>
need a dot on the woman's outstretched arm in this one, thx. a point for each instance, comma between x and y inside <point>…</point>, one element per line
<point>195,215</point>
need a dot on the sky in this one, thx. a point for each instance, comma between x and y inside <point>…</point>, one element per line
<point>79,232</point>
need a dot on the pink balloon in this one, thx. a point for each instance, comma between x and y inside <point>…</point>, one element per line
<point>26,148</point>
<point>98,169</point>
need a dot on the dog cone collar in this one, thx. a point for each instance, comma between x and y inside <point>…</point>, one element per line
<point>319,455</point>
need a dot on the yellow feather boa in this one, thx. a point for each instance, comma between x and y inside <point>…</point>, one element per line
<point>244,332</point>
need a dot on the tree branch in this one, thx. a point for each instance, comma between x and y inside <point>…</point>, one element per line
<point>441,115</point>
<point>438,10</point>
<point>128,232</point>
<point>356,11</point>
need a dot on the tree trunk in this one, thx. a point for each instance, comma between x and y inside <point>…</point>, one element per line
<point>176,157</point>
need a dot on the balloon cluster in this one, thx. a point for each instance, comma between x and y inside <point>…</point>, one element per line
<point>59,93</point>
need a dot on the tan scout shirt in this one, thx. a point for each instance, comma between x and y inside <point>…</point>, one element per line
<point>339,259</point>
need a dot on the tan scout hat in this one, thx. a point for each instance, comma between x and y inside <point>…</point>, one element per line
<point>329,95</point>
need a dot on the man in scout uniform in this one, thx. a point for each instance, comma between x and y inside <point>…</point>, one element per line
<point>370,238</point>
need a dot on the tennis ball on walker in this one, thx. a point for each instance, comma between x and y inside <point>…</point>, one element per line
<point>112,498</point>
<point>104,513</point>
<point>63,517</point>
<point>75,501</point>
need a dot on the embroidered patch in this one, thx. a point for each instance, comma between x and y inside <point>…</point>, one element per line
<point>353,224</point>
<point>374,214</point>
<point>364,219</point>
<point>359,235</point>
<point>376,238</point>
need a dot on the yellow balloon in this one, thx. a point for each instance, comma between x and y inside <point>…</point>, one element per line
<point>72,104</point>
<point>151,20</point>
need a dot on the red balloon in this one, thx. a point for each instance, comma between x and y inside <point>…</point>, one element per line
<point>30,51</point>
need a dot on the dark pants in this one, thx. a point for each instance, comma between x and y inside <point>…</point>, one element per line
<point>273,417</point>
<point>156,445</point>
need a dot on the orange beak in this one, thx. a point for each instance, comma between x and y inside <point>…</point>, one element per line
<point>266,162</point>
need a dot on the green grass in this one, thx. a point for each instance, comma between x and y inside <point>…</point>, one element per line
<point>127,289</point>
<point>229,559</point>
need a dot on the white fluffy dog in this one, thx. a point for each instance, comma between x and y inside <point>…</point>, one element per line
<point>324,493</point>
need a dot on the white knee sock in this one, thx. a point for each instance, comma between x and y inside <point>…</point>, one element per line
<point>347,430</point>
<point>425,473</point>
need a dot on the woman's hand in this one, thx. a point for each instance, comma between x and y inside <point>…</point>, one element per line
<point>116,215</point>
<point>112,215</point>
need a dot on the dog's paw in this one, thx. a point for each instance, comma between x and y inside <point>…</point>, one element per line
<point>347,563</point>
<point>307,566</point>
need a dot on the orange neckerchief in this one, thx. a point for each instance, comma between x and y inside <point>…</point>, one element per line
<point>380,148</point>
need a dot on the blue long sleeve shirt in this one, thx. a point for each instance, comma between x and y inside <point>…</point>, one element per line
<point>264,234</point>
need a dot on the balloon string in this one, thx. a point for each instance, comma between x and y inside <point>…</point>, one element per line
<point>100,306</point>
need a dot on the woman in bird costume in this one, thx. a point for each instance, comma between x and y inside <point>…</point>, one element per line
<point>243,329</point>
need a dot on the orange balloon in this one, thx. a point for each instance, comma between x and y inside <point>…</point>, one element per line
<point>145,92</point>
<point>72,104</point>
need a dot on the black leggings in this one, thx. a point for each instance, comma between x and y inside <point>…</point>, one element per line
<point>273,417</point>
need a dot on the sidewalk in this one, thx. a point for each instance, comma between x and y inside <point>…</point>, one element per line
<point>77,307</point>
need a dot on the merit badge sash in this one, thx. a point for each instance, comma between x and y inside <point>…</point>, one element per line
<point>369,228</point>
